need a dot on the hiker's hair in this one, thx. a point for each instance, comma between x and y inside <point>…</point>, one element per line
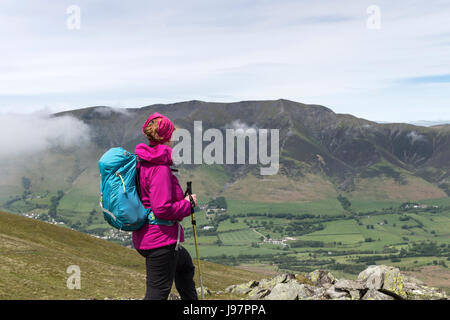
<point>151,131</point>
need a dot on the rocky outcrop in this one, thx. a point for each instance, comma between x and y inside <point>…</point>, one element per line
<point>374,283</point>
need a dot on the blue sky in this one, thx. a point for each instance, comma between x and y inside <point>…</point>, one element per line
<point>137,53</point>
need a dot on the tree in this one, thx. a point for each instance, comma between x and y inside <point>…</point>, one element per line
<point>26,183</point>
<point>345,203</point>
<point>403,252</point>
<point>218,202</point>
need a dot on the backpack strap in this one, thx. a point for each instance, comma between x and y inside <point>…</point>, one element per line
<point>137,177</point>
<point>151,218</point>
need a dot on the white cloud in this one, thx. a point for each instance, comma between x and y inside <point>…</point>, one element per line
<point>151,52</point>
<point>107,111</point>
<point>22,135</point>
<point>414,137</point>
<point>239,125</point>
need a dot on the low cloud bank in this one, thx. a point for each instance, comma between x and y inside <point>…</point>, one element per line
<point>30,133</point>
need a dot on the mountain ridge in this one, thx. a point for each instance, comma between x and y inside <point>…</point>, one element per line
<point>337,148</point>
<point>338,175</point>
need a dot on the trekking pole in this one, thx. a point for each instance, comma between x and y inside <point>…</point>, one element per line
<point>194,227</point>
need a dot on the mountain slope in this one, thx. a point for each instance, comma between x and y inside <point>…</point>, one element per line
<point>34,257</point>
<point>322,154</point>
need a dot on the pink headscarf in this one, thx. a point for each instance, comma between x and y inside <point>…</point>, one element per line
<point>165,127</point>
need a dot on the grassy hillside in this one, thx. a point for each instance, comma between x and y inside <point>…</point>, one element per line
<point>34,257</point>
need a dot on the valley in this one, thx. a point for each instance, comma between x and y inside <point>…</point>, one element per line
<point>339,200</point>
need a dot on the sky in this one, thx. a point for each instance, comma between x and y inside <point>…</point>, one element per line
<point>378,60</point>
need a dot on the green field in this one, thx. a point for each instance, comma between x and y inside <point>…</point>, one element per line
<point>372,236</point>
<point>372,232</point>
<point>329,207</point>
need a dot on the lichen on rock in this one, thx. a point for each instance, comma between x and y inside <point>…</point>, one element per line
<point>374,283</point>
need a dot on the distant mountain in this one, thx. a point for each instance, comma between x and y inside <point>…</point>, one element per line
<point>422,123</point>
<point>322,154</point>
<point>325,159</point>
<point>426,123</point>
<point>337,148</point>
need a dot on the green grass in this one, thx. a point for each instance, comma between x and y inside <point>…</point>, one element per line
<point>227,225</point>
<point>239,237</point>
<point>444,202</point>
<point>329,207</point>
<point>78,201</point>
<point>359,205</point>
<point>35,256</point>
<point>235,250</point>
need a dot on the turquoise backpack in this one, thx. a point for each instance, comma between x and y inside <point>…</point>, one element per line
<point>119,192</point>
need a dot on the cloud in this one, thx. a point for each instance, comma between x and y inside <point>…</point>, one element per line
<point>153,52</point>
<point>23,135</point>
<point>239,125</point>
<point>415,137</point>
<point>108,111</point>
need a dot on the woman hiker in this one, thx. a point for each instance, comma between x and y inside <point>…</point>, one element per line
<point>165,259</point>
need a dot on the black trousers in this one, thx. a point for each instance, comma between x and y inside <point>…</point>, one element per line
<point>163,266</point>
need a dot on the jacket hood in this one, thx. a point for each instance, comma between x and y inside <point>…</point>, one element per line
<point>159,154</point>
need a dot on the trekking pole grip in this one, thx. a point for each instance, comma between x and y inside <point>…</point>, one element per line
<point>189,192</point>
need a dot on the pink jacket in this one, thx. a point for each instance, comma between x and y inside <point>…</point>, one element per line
<point>160,191</point>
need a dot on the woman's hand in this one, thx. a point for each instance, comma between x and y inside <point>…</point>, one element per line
<point>194,197</point>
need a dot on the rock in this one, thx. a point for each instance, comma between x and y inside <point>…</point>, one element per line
<point>206,291</point>
<point>243,288</point>
<point>393,283</point>
<point>374,283</point>
<point>270,283</point>
<point>303,279</point>
<point>173,296</point>
<point>336,294</point>
<point>258,293</point>
<point>416,290</point>
<point>321,278</point>
<point>353,288</point>
<point>390,281</point>
<point>355,294</point>
<point>284,291</point>
<point>306,292</point>
<point>383,278</point>
<point>319,294</point>
<point>373,294</point>
<point>229,289</point>
<point>372,277</point>
<point>348,285</point>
